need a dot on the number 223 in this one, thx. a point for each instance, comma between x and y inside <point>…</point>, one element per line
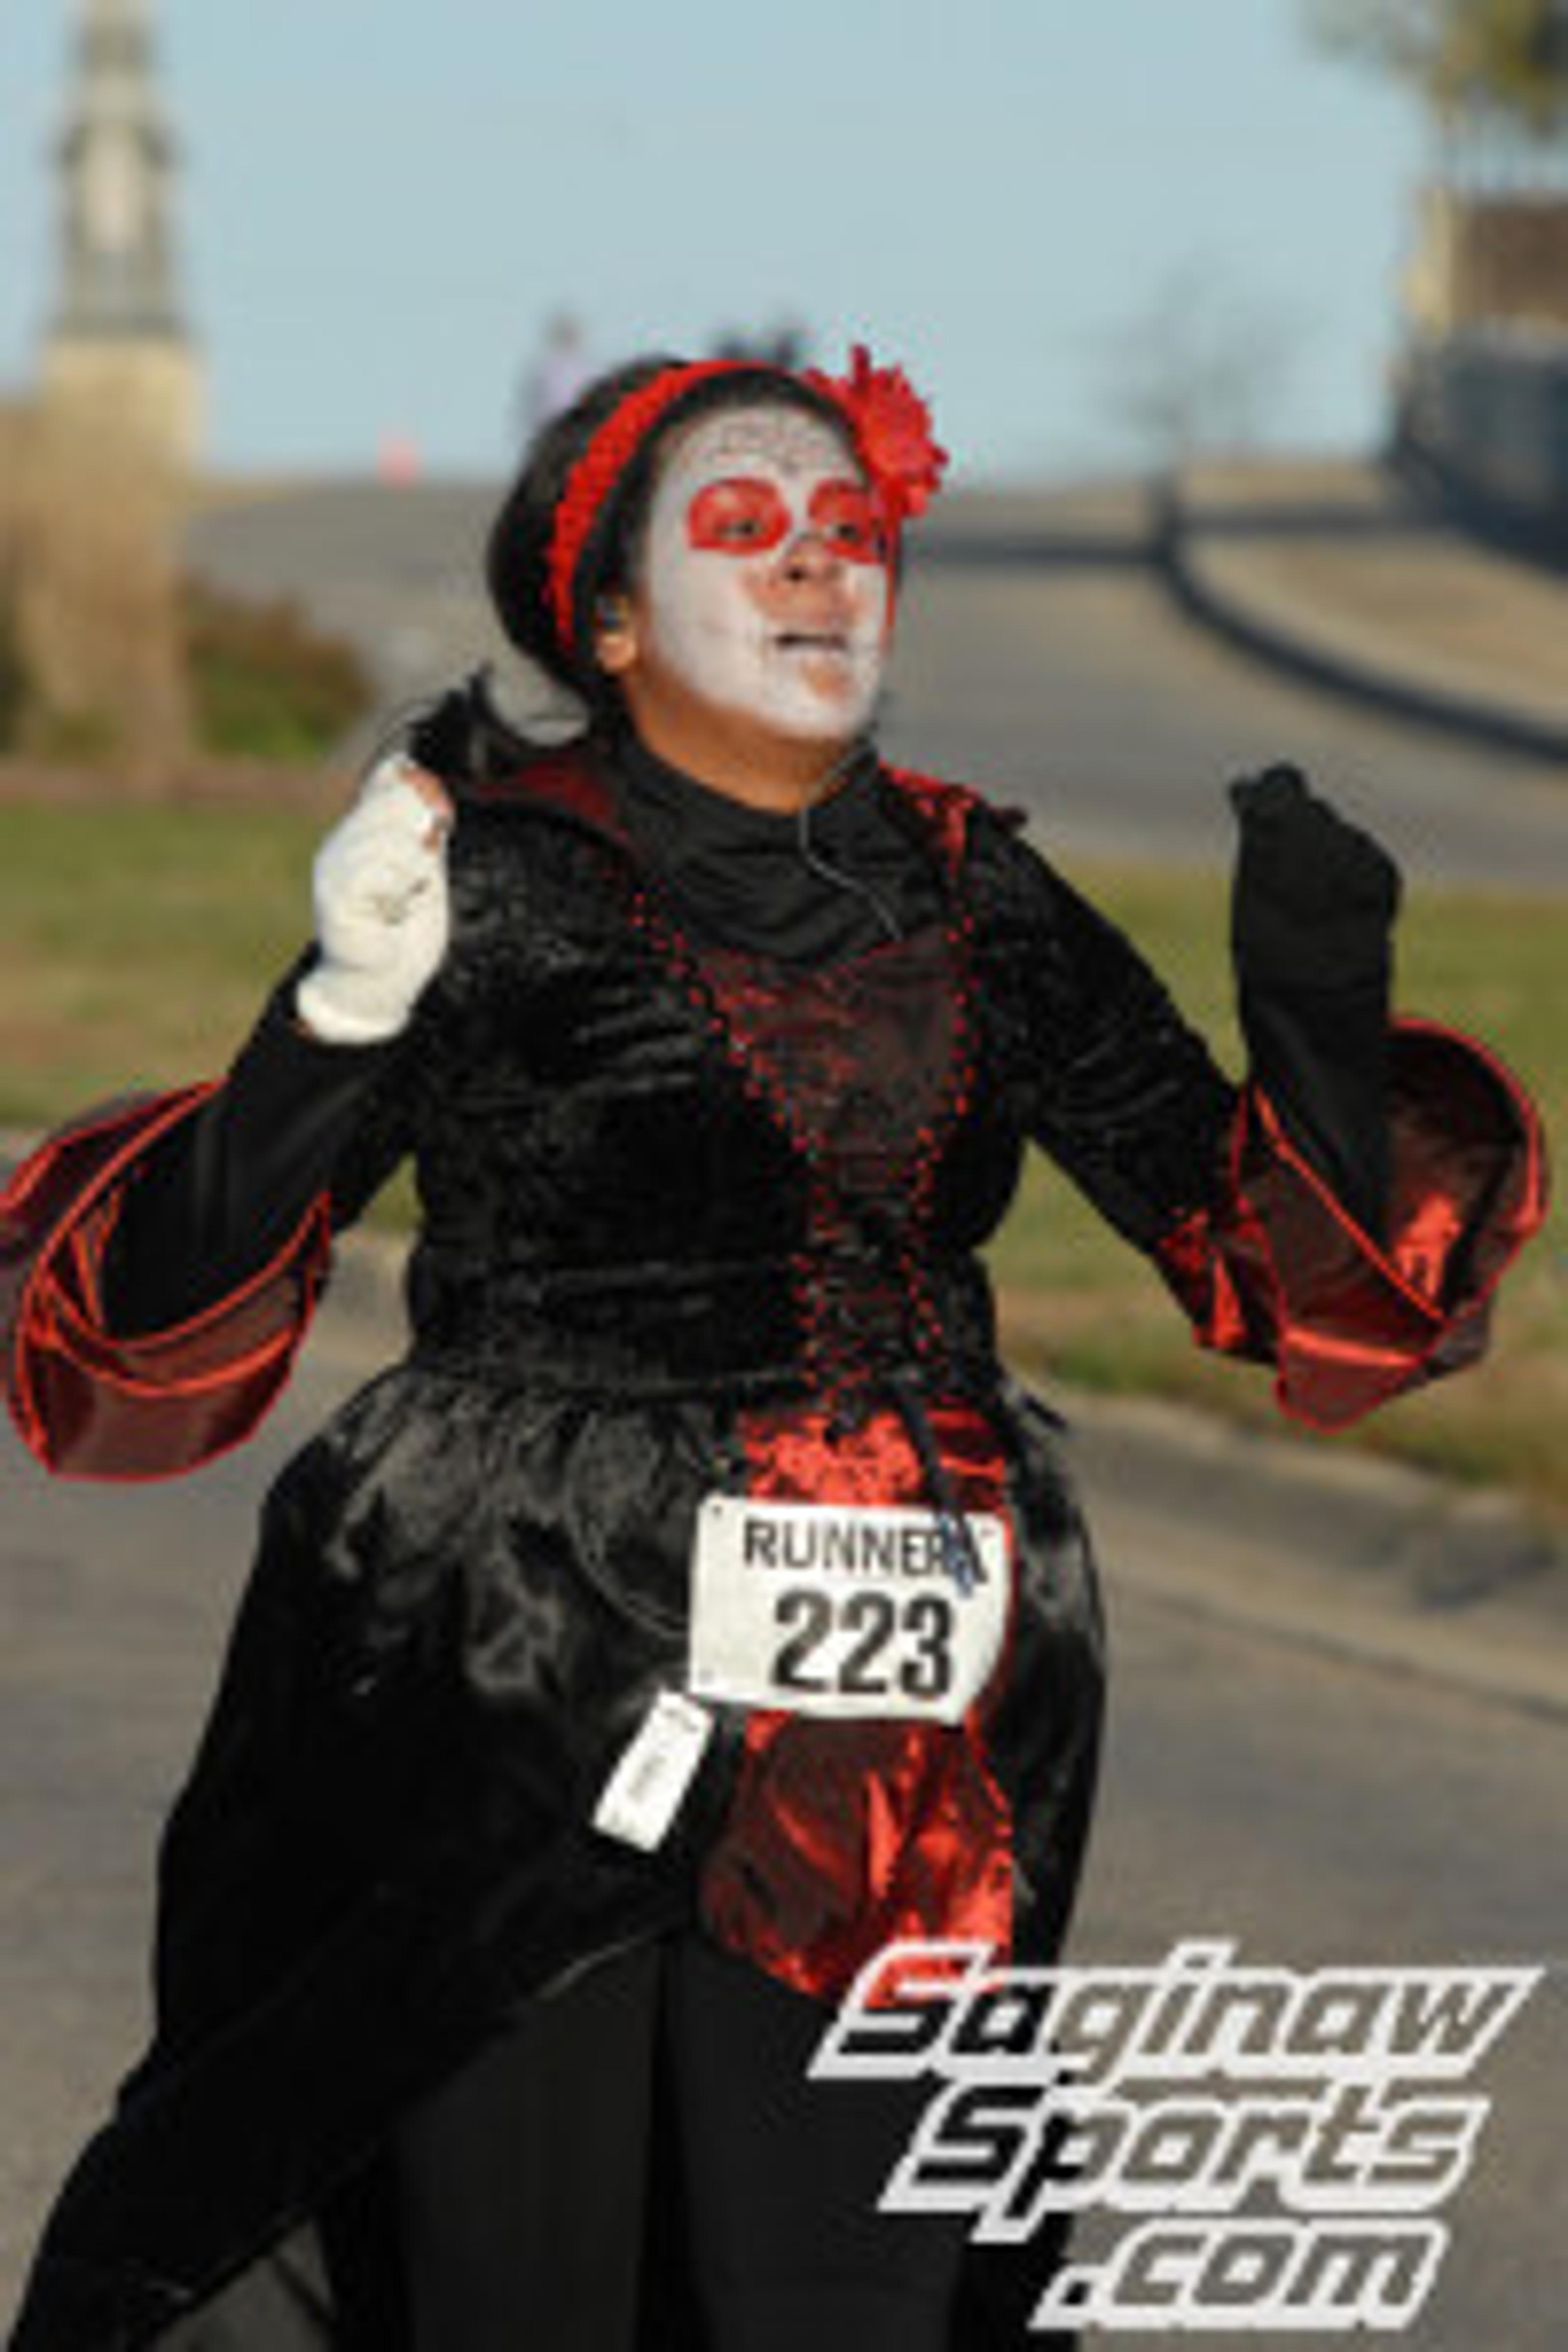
<point>865,1646</point>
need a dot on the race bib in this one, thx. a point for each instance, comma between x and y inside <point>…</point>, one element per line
<point>835,1609</point>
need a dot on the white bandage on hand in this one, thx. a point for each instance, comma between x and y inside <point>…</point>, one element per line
<point>383,914</point>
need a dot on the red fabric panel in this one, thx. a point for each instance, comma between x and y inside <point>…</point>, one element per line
<point>89,1404</point>
<point>1277,1270</point>
<point>844,1835</point>
<point>569,780</point>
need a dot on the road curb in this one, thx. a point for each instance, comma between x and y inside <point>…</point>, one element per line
<point>1350,1554</point>
<point>1178,555</point>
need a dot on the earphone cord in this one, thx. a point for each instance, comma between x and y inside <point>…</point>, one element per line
<point>818,865</point>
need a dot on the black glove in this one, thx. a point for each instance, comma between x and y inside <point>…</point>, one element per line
<point>1315,896</point>
<point>464,739</point>
<point>1312,922</point>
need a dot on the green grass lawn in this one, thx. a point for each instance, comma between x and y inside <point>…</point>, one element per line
<point>136,942</point>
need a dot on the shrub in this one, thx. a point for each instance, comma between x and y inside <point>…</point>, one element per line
<point>264,683</point>
<point>13,677</point>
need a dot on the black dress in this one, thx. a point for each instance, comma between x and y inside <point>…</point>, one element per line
<point>697,1219</point>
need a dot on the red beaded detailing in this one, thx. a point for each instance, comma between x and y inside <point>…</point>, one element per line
<point>862,1278</point>
<point>945,810</point>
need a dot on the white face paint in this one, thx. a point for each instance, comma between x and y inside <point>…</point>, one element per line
<point>766,572</point>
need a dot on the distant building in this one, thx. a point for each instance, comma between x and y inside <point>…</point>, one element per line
<point>101,457</point>
<point>1482,388</point>
<point>1488,259</point>
<point>118,339</point>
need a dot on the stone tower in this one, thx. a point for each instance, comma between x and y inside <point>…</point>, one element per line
<point>119,335</point>
<point>115,427</point>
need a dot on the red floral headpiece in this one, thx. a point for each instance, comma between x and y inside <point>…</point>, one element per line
<point>890,426</point>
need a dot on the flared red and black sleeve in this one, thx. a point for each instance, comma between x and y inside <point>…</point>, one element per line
<point>297,1122</point>
<point>1345,1212</point>
<point>161,1259</point>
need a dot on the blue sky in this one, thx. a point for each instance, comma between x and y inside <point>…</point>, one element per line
<point>384,204</point>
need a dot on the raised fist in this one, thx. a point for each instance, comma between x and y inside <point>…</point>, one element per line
<point>383,915</point>
<point>1315,896</point>
<point>1311,924</point>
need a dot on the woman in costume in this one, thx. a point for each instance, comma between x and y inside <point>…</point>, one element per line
<point>699,1606</point>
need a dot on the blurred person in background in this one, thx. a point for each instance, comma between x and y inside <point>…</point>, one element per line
<point>559,374</point>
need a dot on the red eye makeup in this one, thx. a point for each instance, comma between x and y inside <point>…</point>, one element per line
<point>848,517</point>
<point>743,516</point>
<point>747,515</point>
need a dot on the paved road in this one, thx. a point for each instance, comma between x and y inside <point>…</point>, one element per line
<point>113,1608</point>
<point>1075,684</point>
<point>1038,655</point>
<point>1317,1814</point>
<point>1312,1810</point>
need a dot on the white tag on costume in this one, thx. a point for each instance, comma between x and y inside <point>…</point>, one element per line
<point>841,1610</point>
<point>642,1795</point>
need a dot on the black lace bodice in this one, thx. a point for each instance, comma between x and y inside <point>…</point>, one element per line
<point>645,1160</point>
